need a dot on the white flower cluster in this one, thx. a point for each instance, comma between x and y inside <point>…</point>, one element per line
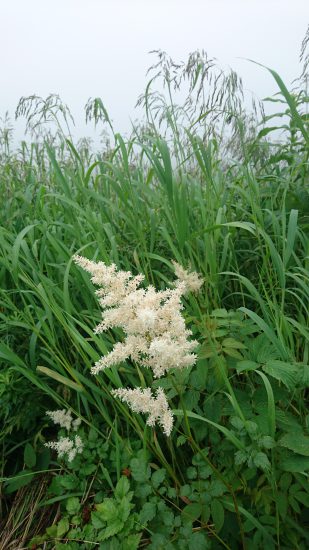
<point>64,419</point>
<point>141,400</point>
<point>190,279</point>
<point>155,333</point>
<point>65,445</point>
<point>156,336</point>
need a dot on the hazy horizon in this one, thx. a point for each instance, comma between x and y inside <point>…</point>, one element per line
<point>100,48</point>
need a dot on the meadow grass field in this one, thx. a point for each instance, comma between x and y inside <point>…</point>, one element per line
<point>210,455</point>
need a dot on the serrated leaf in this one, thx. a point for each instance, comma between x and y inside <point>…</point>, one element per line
<point>73,505</point>
<point>296,442</point>
<point>295,464</point>
<point>112,529</point>
<point>234,353</point>
<point>131,542</point>
<point>192,512</point>
<point>181,440</point>
<point>197,541</point>
<point>217,512</point>
<point>157,477</point>
<point>140,470</point>
<point>221,313</point>
<point>122,487</point>
<point>29,456</point>
<point>232,343</point>
<point>191,399</point>
<point>124,509</point>
<point>148,512</point>
<point>284,372</point>
<point>97,521</point>
<point>237,422</point>
<point>217,488</point>
<point>304,376</point>
<point>303,498</point>
<point>240,457</point>
<point>246,365</point>
<point>108,509</point>
<point>52,531</point>
<point>261,461</point>
<point>70,481</point>
<point>282,503</point>
<point>62,527</point>
<point>267,442</point>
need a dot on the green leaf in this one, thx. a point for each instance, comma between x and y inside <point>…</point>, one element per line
<point>62,527</point>
<point>59,378</point>
<point>43,459</point>
<point>108,510</point>
<point>112,529</point>
<point>70,481</point>
<point>240,457</point>
<point>217,512</point>
<point>158,477</point>
<point>267,329</point>
<point>303,498</point>
<point>237,422</point>
<point>197,541</point>
<point>192,512</point>
<point>230,506</point>
<point>181,440</point>
<point>282,503</point>
<point>140,470</point>
<point>8,355</point>
<point>191,399</point>
<point>20,480</point>
<point>232,343</point>
<point>267,442</point>
<point>246,365</point>
<point>122,487</point>
<point>124,508</point>
<point>225,431</point>
<point>131,542</point>
<point>52,531</point>
<point>217,488</point>
<point>296,442</point>
<point>97,521</point>
<point>73,506</point>
<point>295,464</point>
<point>29,456</point>
<point>148,512</point>
<point>261,461</point>
<point>282,371</point>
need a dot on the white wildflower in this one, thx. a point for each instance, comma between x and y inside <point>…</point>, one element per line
<point>62,417</point>
<point>79,446</point>
<point>66,446</point>
<point>191,279</point>
<point>75,424</point>
<point>141,400</point>
<point>155,331</point>
<point>165,354</point>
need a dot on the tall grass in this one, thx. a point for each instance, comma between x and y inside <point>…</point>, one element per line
<point>202,184</point>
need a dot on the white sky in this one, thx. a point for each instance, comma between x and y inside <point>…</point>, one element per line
<point>83,48</point>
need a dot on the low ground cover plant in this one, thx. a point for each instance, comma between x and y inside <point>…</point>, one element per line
<point>181,420</point>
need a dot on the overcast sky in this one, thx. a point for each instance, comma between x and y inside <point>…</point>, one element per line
<point>83,48</point>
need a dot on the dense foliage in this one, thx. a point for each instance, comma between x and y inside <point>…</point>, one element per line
<point>218,190</point>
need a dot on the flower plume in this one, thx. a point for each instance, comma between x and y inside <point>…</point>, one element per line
<point>155,332</point>
<point>141,400</point>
